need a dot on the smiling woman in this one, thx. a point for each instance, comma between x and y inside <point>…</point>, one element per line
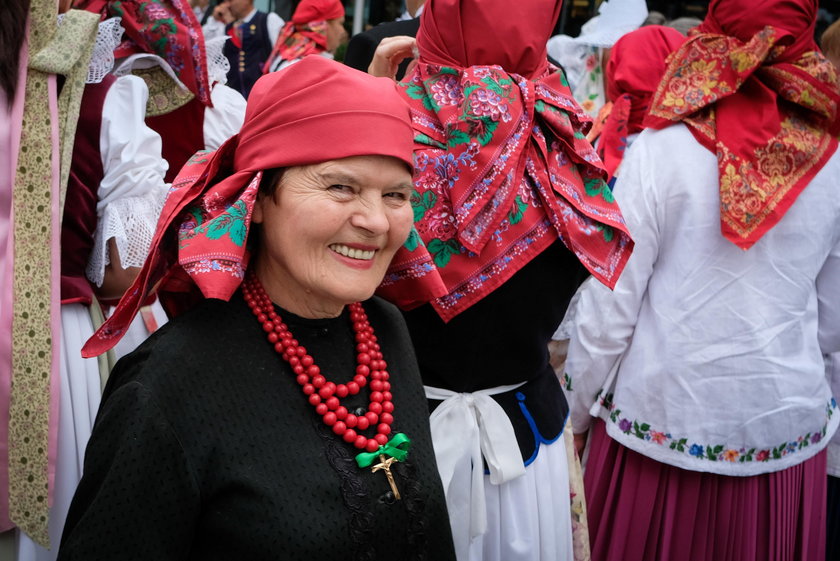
<point>255,425</point>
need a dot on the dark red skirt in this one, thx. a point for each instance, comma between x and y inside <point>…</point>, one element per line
<point>643,510</point>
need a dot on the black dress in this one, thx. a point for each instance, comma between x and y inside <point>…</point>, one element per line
<point>205,448</point>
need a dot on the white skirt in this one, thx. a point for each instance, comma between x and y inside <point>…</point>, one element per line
<point>79,402</point>
<point>529,518</point>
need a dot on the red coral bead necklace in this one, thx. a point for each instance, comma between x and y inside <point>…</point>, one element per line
<point>325,396</point>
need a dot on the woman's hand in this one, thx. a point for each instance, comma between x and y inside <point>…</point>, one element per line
<point>580,443</point>
<point>390,53</point>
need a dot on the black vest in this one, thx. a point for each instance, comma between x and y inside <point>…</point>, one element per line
<point>246,63</point>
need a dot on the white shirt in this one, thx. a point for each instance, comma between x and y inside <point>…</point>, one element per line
<point>707,348</point>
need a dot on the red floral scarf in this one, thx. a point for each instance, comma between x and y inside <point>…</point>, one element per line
<point>297,41</point>
<point>768,107</point>
<point>502,169</point>
<point>167,28</point>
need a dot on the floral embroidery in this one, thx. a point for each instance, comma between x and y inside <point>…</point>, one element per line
<point>711,452</point>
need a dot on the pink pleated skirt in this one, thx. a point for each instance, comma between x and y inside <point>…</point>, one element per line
<point>643,510</point>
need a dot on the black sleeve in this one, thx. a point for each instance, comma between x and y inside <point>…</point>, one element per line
<point>138,498</point>
<point>360,51</point>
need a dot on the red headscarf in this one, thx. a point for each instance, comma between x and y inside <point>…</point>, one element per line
<point>306,33</point>
<point>167,28</point>
<point>502,168</point>
<point>753,89</point>
<point>634,70</point>
<point>291,120</point>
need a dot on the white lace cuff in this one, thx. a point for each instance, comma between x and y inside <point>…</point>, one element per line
<point>131,221</point>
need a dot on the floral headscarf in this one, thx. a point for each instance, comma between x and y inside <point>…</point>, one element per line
<point>306,33</point>
<point>199,250</point>
<point>502,168</point>
<point>167,28</point>
<point>756,92</point>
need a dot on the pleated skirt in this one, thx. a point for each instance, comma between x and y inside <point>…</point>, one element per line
<point>643,510</point>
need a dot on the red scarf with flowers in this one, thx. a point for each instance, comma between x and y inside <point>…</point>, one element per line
<point>167,28</point>
<point>502,169</point>
<point>297,41</point>
<point>771,121</point>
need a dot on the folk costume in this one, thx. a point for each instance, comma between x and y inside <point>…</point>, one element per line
<point>509,203</point>
<point>305,34</point>
<point>252,39</point>
<point>635,68</point>
<point>251,468</point>
<point>705,365</point>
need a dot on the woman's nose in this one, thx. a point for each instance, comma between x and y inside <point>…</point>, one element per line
<point>371,216</point>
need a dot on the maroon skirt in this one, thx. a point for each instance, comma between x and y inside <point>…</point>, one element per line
<point>643,510</point>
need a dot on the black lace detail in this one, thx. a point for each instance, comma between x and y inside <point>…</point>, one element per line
<point>415,504</point>
<point>354,494</point>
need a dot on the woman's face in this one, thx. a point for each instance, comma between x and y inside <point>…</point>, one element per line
<point>336,34</point>
<point>330,230</point>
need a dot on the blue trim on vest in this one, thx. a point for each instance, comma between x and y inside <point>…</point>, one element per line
<point>538,438</point>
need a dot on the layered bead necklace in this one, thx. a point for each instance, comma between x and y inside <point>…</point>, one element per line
<point>325,396</point>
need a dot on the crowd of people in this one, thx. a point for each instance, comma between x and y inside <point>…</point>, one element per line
<point>479,292</point>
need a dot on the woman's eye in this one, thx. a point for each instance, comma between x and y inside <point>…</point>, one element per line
<point>338,188</point>
<point>397,195</point>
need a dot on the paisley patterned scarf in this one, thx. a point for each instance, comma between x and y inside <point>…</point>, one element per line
<point>502,167</point>
<point>757,93</point>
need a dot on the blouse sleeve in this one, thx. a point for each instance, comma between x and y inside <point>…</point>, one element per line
<point>138,498</point>
<point>605,320</point>
<point>133,190</point>
<point>828,294</point>
<point>225,118</point>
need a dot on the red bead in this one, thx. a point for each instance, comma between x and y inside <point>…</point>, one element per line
<point>386,386</point>
<point>313,370</point>
<point>372,445</point>
<point>381,439</point>
<point>318,381</point>
<point>341,412</point>
<point>362,423</point>
<point>349,435</point>
<point>267,327</point>
<point>273,338</point>
<point>302,379</point>
<point>350,420</point>
<point>363,370</point>
<point>325,391</point>
<point>375,407</point>
<point>339,428</point>
<point>330,418</point>
<point>386,418</point>
<point>322,409</point>
<point>360,380</point>
<point>262,317</point>
<point>314,399</point>
<point>306,360</point>
<point>309,389</point>
<point>361,441</point>
<point>383,429</point>
<point>278,347</point>
<point>386,396</point>
<point>388,406</point>
<point>333,403</point>
<point>376,396</point>
<point>298,369</point>
<point>371,417</point>
<point>382,364</point>
<point>341,390</point>
<point>294,361</point>
<point>353,388</point>
<point>376,385</point>
<point>301,351</point>
<point>363,358</point>
<point>362,348</point>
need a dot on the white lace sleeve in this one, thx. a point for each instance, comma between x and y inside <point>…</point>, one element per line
<point>225,118</point>
<point>133,190</point>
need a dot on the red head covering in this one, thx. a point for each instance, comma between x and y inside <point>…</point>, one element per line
<point>634,70</point>
<point>462,33</point>
<point>754,90</point>
<point>166,28</point>
<point>306,33</point>
<point>317,10</point>
<point>502,168</point>
<point>291,120</point>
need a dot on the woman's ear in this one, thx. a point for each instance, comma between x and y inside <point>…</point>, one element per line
<point>257,215</point>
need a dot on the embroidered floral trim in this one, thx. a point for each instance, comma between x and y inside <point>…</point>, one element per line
<point>714,452</point>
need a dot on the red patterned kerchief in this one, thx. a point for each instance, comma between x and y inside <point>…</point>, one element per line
<point>502,169</point>
<point>772,124</point>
